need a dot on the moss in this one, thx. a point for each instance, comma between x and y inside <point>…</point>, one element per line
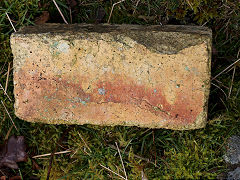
<point>191,154</point>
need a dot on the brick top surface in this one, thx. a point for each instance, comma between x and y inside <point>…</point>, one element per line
<point>105,28</point>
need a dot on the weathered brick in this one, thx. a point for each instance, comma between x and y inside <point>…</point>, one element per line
<point>147,76</point>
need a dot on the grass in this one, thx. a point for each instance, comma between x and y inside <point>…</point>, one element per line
<point>156,153</point>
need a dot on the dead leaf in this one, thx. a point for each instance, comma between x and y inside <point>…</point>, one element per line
<point>43,18</point>
<point>13,151</point>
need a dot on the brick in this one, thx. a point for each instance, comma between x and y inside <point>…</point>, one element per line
<point>146,76</point>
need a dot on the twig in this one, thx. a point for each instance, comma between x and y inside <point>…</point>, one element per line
<point>121,161</point>
<point>6,85</point>
<point>230,90</point>
<point>113,8</point>
<point>11,22</point>
<point>225,69</point>
<point>5,92</point>
<point>112,171</point>
<point>9,115</point>
<point>60,11</point>
<point>84,142</point>
<point>49,154</point>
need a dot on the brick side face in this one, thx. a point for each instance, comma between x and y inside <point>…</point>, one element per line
<point>112,75</point>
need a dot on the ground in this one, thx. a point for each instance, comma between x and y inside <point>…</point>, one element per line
<point>154,153</point>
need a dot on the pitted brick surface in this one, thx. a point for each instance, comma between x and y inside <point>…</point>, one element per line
<point>156,77</point>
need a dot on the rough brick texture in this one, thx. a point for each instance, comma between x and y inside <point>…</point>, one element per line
<point>147,76</point>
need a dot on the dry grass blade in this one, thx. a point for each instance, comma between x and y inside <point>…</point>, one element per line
<point>112,171</point>
<point>11,22</point>
<point>6,85</point>
<point>121,161</point>
<point>220,89</point>
<point>5,92</point>
<point>8,133</point>
<point>9,115</point>
<point>136,6</point>
<point>60,11</point>
<point>3,175</point>
<point>189,4</point>
<point>74,153</point>
<point>6,72</point>
<point>2,68</point>
<point>222,84</point>
<point>144,177</point>
<point>225,69</point>
<point>49,154</point>
<point>205,23</point>
<point>84,142</point>
<point>113,8</point>
<point>230,89</point>
<point>136,156</point>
